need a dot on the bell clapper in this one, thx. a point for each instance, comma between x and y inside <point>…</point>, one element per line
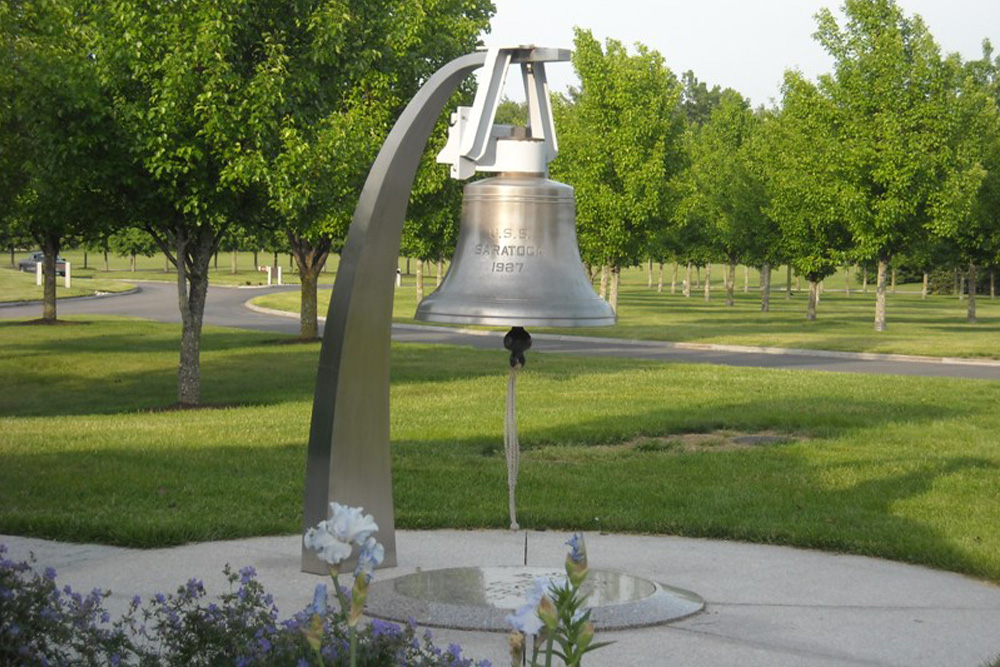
<point>518,341</point>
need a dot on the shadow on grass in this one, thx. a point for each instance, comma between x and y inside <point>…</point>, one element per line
<point>155,496</point>
<point>772,495</point>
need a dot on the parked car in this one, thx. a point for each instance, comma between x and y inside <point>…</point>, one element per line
<point>37,258</point>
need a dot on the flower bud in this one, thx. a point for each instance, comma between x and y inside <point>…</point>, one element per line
<point>547,613</point>
<point>516,644</point>
<point>358,596</point>
<point>576,560</point>
<point>314,632</point>
<point>586,636</point>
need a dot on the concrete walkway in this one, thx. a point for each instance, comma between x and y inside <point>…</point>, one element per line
<point>765,605</point>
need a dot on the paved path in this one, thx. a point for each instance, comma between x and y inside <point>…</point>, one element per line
<point>226,307</point>
<point>766,606</point>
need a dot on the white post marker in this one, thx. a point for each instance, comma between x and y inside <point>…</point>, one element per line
<point>279,274</point>
<point>268,275</point>
<point>68,282</point>
<point>38,273</point>
<point>399,278</point>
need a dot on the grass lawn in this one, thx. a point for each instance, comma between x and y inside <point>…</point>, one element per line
<point>897,467</point>
<point>935,326</point>
<point>19,286</point>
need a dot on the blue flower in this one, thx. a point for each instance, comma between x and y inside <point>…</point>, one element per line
<point>578,551</point>
<point>318,605</point>
<point>371,556</point>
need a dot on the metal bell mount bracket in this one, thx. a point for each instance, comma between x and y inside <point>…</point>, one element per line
<point>475,143</point>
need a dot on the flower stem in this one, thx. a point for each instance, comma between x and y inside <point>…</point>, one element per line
<point>354,647</point>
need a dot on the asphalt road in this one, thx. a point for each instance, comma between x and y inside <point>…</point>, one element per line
<point>226,307</point>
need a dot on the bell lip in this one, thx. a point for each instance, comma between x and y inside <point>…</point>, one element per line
<point>497,321</point>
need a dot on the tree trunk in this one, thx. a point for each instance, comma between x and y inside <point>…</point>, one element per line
<point>958,285</point>
<point>310,258</point>
<point>232,263</point>
<point>131,262</point>
<point>708,281</point>
<point>730,283</point>
<point>673,279</point>
<point>746,279</point>
<point>970,315</point>
<point>407,266</point>
<point>604,282</point>
<point>193,258</point>
<point>961,287</point>
<point>864,279</point>
<point>798,283</point>
<point>697,276</point>
<point>788,281</point>
<point>649,274</point>
<point>993,286</point>
<point>106,266</point>
<point>420,280</point>
<point>215,260</point>
<point>883,269</point>
<point>687,281</point>
<point>765,288</point>
<point>616,272</point>
<point>847,281</point>
<point>255,264</point>
<point>85,259</point>
<point>659,280</point>
<point>440,272</point>
<point>50,246</point>
<point>166,264</point>
<point>813,299</point>
<point>893,280</point>
<point>926,283</point>
<point>274,261</point>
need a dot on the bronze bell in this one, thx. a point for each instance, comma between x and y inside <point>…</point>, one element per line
<point>517,262</point>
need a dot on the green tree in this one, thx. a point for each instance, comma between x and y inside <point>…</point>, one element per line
<point>346,72</point>
<point>893,102</point>
<point>966,208</point>
<point>131,242</point>
<point>620,144</point>
<point>194,88</point>
<point>809,195</point>
<point>726,188</point>
<point>58,146</point>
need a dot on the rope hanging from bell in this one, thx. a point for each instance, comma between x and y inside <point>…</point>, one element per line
<point>518,341</point>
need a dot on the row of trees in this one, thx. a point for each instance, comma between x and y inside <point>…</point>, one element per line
<point>195,119</point>
<point>252,120</point>
<point>892,157</point>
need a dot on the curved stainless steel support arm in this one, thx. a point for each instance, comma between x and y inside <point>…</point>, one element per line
<point>348,457</point>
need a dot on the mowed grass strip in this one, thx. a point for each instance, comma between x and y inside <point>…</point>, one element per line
<point>897,467</point>
<point>935,326</point>
<point>20,286</point>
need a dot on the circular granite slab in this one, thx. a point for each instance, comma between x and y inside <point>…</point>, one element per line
<point>479,598</point>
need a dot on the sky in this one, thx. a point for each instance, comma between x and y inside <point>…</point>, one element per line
<point>742,44</point>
